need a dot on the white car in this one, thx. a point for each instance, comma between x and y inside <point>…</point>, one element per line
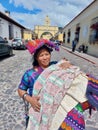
<point>18,43</point>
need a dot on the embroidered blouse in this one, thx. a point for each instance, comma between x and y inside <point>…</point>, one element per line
<point>29,78</point>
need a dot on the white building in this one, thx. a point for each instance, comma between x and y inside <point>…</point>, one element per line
<point>84,28</point>
<point>10,28</point>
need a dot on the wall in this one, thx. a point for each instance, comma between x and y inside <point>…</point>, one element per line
<point>4,29</point>
<point>17,31</point>
<point>84,20</point>
<point>27,35</point>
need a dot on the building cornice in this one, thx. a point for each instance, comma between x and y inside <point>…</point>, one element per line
<point>79,13</point>
<point>4,16</point>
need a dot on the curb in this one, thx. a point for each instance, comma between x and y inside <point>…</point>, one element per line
<point>80,56</point>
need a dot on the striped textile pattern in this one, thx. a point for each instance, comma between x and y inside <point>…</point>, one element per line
<point>51,85</point>
<point>92,91</point>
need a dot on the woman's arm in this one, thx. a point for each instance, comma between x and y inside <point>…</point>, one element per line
<point>34,100</point>
<point>26,84</point>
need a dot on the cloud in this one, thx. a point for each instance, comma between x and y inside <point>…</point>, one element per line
<point>2,8</point>
<point>60,12</point>
<point>28,20</point>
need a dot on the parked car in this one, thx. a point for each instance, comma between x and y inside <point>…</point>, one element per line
<point>18,43</point>
<point>5,48</point>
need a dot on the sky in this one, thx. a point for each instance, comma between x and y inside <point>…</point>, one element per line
<point>30,13</point>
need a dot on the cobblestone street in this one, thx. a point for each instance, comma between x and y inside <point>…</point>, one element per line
<point>11,71</point>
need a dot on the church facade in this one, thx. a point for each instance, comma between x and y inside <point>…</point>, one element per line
<point>45,31</point>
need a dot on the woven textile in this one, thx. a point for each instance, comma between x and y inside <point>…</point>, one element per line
<point>29,78</point>
<point>51,85</point>
<point>74,95</point>
<point>92,91</point>
<point>74,120</point>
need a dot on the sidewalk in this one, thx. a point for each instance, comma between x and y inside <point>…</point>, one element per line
<point>85,56</point>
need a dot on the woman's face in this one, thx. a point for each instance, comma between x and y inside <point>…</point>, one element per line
<point>43,58</point>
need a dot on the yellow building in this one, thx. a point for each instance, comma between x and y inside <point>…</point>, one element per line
<point>84,28</point>
<point>59,35</point>
<point>45,31</point>
<point>28,34</point>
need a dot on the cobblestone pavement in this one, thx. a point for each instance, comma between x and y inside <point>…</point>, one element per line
<point>11,71</point>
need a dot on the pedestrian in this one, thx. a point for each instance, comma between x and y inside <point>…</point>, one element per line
<point>74,43</point>
<point>41,52</point>
<point>5,39</point>
<point>83,46</point>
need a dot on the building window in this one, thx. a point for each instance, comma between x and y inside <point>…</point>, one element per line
<point>10,31</point>
<point>94,31</point>
<point>64,36</point>
<point>69,34</point>
<point>77,32</point>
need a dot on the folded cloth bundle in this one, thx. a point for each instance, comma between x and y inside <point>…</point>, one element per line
<point>60,90</point>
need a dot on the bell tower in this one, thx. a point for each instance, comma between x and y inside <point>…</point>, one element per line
<point>47,21</point>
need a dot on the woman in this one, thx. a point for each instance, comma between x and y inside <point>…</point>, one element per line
<point>41,50</point>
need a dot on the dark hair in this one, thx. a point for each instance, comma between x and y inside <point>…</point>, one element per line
<point>35,62</point>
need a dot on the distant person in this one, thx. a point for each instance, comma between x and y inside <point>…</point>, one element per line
<point>83,46</point>
<point>5,39</point>
<point>74,43</point>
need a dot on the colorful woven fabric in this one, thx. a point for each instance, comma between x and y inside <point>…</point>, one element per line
<point>51,85</point>
<point>74,120</point>
<point>29,78</point>
<point>33,45</point>
<point>92,91</point>
<point>74,95</point>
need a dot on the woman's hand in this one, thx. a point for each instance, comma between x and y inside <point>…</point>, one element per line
<point>65,65</point>
<point>35,103</point>
<point>34,100</point>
